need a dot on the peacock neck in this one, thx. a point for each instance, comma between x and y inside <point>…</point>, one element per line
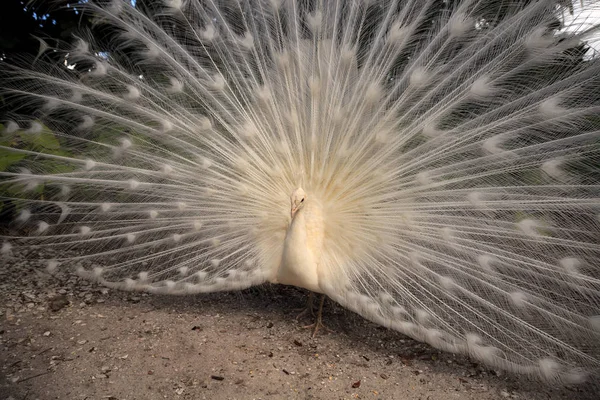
<point>298,265</point>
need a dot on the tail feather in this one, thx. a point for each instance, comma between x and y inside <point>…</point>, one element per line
<point>454,149</point>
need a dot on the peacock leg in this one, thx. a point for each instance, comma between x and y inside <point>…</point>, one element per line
<point>319,322</point>
<point>308,309</point>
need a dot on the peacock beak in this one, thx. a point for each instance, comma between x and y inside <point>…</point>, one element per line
<point>294,210</point>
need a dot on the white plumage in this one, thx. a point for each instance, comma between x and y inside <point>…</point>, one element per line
<point>442,160</point>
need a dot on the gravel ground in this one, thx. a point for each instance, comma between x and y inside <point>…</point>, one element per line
<point>63,338</point>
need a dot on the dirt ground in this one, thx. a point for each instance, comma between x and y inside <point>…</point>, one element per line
<point>62,338</point>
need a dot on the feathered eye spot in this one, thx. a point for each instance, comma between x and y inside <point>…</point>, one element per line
<point>167,169</point>
<point>165,126</point>
<point>482,87</point>
<point>100,70</point>
<point>492,144</point>
<point>174,5</point>
<point>76,97</point>
<point>424,178</point>
<point>263,93</point>
<point>176,86</point>
<point>519,299</point>
<point>81,47</point>
<point>170,285</point>
<point>459,25</point>
<point>52,266</point>
<point>86,122</point>
<point>539,38</point>
<point>51,104</point>
<point>133,184</point>
<point>551,108</point>
<point>373,92</point>
<point>201,276</point>
<point>348,56</point>
<point>571,265</point>
<point>24,215</point>
<point>132,93</point>
<point>125,143</point>
<point>487,262</point>
<point>530,227</point>
<point>398,33</point>
<point>447,283</point>
<point>283,60</point>
<point>419,77</point>
<point>35,128</point>
<point>11,127</point>
<point>315,20</point>
<point>549,369</point>
<point>209,33</point>
<point>218,82</point>
<point>152,51</point>
<point>89,164</point>
<point>6,248</point>
<point>430,129</point>
<point>553,169</point>
<point>42,227</point>
<point>247,41</point>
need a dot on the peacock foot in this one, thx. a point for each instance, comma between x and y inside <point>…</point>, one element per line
<point>308,309</point>
<point>318,324</point>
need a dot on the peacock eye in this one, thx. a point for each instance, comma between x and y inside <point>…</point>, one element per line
<point>302,201</point>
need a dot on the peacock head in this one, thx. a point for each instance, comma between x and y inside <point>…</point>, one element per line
<point>298,199</point>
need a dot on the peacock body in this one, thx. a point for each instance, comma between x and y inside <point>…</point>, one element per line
<point>432,166</point>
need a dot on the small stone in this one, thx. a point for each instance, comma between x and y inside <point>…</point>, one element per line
<point>59,302</point>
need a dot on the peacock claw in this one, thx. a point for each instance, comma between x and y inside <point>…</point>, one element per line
<point>308,309</point>
<point>318,324</point>
<point>304,312</point>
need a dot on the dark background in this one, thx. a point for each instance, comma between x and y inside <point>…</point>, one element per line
<point>24,24</point>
